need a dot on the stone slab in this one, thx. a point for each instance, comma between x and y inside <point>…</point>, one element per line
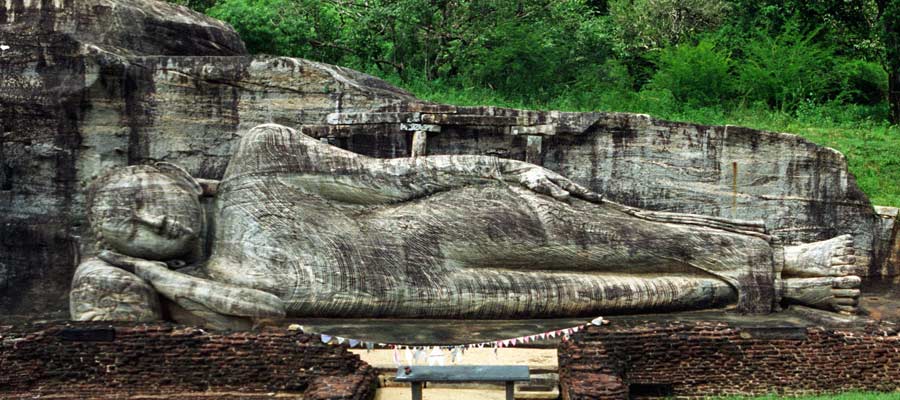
<point>396,393</point>
<point>538,360</point>
<point>463,373</point>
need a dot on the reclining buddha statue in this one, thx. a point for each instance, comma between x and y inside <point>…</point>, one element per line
<point>303,228</point>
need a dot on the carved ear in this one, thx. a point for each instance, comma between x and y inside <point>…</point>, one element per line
<point>179,173</point>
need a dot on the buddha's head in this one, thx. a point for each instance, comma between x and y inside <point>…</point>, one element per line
<point>150,212</point>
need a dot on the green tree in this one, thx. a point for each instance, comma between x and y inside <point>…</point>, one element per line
<point>641,28</point>
<point>535,49</point>
<point>695,74</point>
<point>889,16</point>
<point>646,25</point>
<point>522,49</point>
<point>786,69</point>
<point>196,5</point>
<point>849,26</point>
<point>298,28</point>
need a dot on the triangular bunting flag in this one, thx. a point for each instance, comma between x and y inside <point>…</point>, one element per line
<point>397,356</point>
<point>419,354</point>
<point>455,355</point>
<point>326,339</point>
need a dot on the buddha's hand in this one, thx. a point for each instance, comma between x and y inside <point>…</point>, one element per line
<point>544,181</point>
<point>127,263</point>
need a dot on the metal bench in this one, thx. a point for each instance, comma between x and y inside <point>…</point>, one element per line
<point>417,375</point>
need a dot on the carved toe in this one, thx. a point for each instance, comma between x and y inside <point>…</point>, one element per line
<point>835,257</point>
<point>846,294</point>
<point>847,282</point>
<point>843,270</point>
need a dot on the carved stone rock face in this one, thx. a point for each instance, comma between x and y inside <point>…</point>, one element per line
<point>150,212</point>
<point>307,229</point>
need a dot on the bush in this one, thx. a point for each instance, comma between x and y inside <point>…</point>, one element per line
<point>297,28</point>
<point>861,82</point>
<point>536,53</point>
<point>196,5</point>
<point>595,87</point>
<point>785,70</point>
<point>695,74</point>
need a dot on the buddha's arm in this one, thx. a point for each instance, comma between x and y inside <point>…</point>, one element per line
<point>311,166</point>
<point>373,181</point>
<point>436,173</point>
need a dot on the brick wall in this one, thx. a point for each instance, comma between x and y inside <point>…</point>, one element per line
<point>696,359</point>
<point>90,360</point>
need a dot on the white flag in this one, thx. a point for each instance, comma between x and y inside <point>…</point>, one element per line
<point>436,357</point>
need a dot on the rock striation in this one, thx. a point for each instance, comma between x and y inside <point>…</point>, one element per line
<point>94,84</point>
<point>91,84</point>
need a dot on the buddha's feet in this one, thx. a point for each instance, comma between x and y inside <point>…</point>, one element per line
<point>821,275</point>
<point>828,293</point>
<point>833,257</point>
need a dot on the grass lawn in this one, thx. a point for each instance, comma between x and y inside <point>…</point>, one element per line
<point>872,146</point>
<point>844,396</point>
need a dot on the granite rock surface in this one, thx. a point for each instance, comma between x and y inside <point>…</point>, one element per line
<point>93,84</point>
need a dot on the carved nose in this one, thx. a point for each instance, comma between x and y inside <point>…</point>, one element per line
<point>164,225</point>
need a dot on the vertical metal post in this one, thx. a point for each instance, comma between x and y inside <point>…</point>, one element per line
<point>417,391</point>
<point>510,390</point>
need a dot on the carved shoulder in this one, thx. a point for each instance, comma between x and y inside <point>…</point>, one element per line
<point>273,148</point>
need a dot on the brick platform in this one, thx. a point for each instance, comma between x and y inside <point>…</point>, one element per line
<point>102,361</point>
<point>697,359</point>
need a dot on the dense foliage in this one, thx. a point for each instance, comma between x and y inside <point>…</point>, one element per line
<point>728,52</point>
<point>775,64</point>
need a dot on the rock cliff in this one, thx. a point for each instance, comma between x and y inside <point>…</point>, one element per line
<point>92,84</point>
<point>61,63</point>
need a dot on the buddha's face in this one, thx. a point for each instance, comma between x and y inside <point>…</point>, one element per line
<point>146,212</point>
